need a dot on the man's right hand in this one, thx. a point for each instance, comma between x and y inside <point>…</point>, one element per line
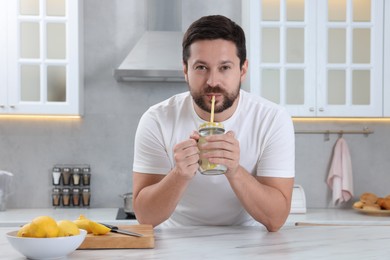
<point>186,156</point>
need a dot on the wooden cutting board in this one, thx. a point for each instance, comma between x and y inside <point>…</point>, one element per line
<point>115,241</point>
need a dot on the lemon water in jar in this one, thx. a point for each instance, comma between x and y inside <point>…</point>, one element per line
<point>205,167</point>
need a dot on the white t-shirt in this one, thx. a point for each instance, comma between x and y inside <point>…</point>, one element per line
<point>266,136</point>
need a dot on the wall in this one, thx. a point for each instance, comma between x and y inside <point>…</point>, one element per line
<point>104,136</point>
<point>369,156</point>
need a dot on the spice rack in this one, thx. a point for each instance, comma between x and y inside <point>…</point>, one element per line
<point>71,185</point>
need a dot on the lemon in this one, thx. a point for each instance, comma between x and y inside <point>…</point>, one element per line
<point>210,166</point>
<point>83,223</point>
<point>24,231</point>
<point>67,228</point>
<point>98,229</point>
<point>43,226</point>
<point>91,226</point>
<point>37,231</point>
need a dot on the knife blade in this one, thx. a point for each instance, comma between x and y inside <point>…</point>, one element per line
<point>115,229</point>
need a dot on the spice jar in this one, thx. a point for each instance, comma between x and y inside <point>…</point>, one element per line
<point>76,197</point>
<point>205,167</point>
<point>66,176</point>
<point>56,174</point>
<point>86,194</point>
<point>76,176</point>
<point>56,195</point>
<point>66,197</point>
<point>86,176</point>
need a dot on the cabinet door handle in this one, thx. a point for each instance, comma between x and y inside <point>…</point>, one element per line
<point>311,109</point>
<point>12,106</point>
<point>321,109</point>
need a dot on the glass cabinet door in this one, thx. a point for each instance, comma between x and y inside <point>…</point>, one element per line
<point>44,59</point>
<point>283,72</point>
<point>386,65</point>
<point>351,61</point>
<point>3,56</point>
<point>317,58</point>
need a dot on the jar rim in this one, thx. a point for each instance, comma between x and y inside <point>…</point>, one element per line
<point>208,125</point>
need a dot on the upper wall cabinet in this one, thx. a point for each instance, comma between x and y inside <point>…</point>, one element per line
<point>386,73</point>
<point>317,57</point>
<point>40,55</point>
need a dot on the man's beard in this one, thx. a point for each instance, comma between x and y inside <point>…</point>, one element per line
<point>227,101</point>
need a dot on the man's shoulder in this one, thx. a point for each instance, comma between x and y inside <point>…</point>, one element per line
<point>252,101</point>
<point>170,109</point>
<point>174,101</point>
<point>170,105</point>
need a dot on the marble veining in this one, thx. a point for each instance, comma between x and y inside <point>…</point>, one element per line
<point>331,234</point>
<point>15,217</point>
<point>291,242</point>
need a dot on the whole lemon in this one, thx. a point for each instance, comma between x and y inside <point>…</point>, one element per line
<point>67,228</point>
<point>24,231</point>
<point>44,226</point>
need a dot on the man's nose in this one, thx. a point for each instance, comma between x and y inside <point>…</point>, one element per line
<point>213,79</point>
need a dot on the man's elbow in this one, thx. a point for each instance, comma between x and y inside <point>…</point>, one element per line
<point>146,221</point>
<point>275,224</point>
<point>273,227</point>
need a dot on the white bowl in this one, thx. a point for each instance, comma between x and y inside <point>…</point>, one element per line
<point>46,248</point>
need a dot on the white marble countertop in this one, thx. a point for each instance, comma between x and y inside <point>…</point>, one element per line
<point>341,234</point>
<point>17,217</point>
<point>338,217</point>
<point>291,242</point>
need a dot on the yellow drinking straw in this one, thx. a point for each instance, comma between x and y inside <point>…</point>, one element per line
<point>212,109</point>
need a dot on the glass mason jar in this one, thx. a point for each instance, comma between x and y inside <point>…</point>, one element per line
<point>205,167</point>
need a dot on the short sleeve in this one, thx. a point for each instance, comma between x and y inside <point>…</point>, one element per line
<point>150,155</point>
<point>278,157</point>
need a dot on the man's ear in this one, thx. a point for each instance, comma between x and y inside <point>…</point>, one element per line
<point>185,71</point>
<point>244,70</point>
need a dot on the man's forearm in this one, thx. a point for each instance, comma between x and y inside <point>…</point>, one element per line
<point>155,203</point>
<point>267,200</point>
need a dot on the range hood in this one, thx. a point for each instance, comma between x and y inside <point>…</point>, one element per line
<point>157,56</point>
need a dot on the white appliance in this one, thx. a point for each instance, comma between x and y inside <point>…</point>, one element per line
<point>298,202</point>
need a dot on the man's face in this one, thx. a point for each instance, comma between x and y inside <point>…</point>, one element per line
<point>214,70</point>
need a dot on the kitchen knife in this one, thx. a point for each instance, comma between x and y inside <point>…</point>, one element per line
<point>115,229</point>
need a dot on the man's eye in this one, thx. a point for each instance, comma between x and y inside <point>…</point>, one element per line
<point>200,67</point>
<point>225,68</point>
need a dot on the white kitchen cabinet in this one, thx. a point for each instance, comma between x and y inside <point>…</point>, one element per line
<point>41,68</point>
<point>319,58</point>
<point>3,53</point>
<point>386,74</point>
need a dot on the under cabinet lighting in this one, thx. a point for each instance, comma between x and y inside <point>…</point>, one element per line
<point>50,117</point>
<point>341,119</point>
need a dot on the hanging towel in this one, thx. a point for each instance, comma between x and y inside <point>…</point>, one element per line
<point>340,173</point>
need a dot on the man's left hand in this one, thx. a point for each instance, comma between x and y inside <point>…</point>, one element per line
<point>223,149</point>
